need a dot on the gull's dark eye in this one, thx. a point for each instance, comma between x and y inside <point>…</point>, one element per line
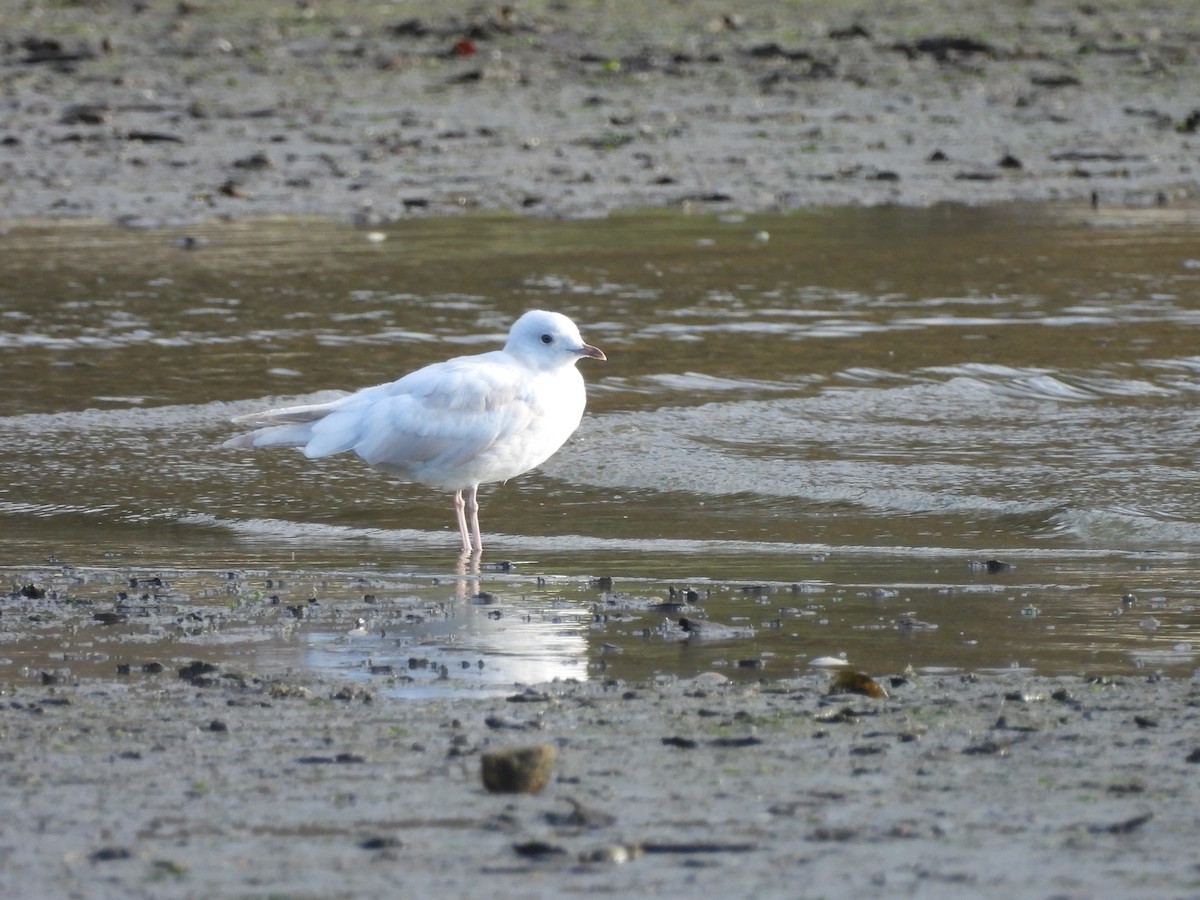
<point>546,339</point>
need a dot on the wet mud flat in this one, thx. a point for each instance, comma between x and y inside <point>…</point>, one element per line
<point>150,113</point>
<point>200,778</point>
<point>205,781</point>
<point>177,763</point>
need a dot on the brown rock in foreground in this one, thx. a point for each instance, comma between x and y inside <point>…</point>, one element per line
<point>518,770</point>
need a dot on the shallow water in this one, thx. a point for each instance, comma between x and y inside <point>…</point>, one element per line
<point>816,421</point>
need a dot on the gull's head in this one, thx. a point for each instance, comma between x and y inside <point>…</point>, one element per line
<point>550,339</point>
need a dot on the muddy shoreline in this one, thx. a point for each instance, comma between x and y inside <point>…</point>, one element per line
<point>148,114</point>
<point>228,782</point>
<point>220,783</point>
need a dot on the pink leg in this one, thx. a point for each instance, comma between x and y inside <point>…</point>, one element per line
<point>472,511</point>
<point>460,512</point>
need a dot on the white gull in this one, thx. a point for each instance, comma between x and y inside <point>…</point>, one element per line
<point>456,424</point>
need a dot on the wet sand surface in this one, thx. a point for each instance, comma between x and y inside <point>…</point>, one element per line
<point>224,784</point>
<point>151,113</point>
<point>204,778</point>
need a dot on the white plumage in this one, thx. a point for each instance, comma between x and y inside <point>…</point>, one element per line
<point>456,424</point>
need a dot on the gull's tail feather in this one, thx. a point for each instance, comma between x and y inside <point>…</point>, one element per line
<point>288,426</point>
<point>274,436</point>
